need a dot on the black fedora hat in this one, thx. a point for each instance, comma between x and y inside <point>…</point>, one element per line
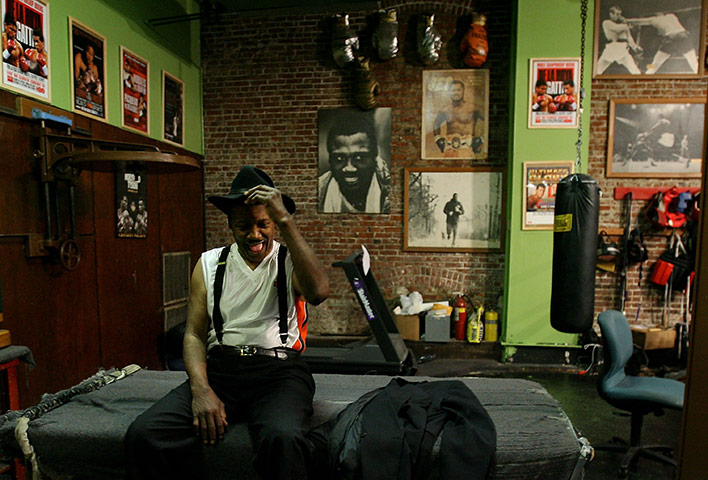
<point>247,178</point>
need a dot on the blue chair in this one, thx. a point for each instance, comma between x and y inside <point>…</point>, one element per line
<point>637,395</point>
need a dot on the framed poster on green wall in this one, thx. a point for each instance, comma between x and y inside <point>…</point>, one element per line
<point>540,184</point>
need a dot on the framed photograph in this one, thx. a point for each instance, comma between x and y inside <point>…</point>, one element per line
<point>553,98</point>
<point>455,114</point>
<point>131,202</point>
<point>134,80</point>
<point>88,71</point>
<point>172,109</point>
<point>649,38</point>
<point>354,166</point>
<point>657,137</point>
<point>453,209</point>
<point>540,185</point>
<point>25,45</point>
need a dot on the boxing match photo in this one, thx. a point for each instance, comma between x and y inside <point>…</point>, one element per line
<point>553,93</point>
<point>649,38</point>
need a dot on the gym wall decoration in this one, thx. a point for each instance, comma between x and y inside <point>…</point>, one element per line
<point>540,184</point>
<point>134,81</point>
<point>553,101</point>
<point>656,138</point>
<point>88,71</point>
<point>172,109</point>
<point>455,117</point>
<point>131,202</point>
<point>649,38</point>
<point>453,209</point>
<point>25,57</point>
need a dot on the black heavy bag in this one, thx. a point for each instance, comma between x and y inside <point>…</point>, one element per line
<point>574,253</point>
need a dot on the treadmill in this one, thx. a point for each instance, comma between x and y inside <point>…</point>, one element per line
<point>385,353</point>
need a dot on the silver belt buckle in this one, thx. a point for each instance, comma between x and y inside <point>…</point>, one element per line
<point>247,351</point>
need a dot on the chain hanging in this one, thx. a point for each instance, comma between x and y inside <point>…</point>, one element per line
<point>581,90</point>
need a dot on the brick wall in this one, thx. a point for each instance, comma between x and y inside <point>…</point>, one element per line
<point>265,79</point>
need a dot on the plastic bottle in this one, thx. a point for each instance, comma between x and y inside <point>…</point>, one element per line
<point>475,327</point>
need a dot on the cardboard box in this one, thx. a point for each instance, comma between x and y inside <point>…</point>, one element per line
<point>408,326</point>
<point>653,338</point>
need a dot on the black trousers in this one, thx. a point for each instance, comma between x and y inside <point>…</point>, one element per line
<point>273,396</point>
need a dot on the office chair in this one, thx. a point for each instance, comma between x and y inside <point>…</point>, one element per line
<point>637,395</point>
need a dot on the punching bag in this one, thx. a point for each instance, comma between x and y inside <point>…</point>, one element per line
<point>574,253</point>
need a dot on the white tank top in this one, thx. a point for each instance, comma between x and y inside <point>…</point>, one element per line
<point>249,301</point>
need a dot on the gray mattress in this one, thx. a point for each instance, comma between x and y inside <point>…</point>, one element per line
<point>84,437</point>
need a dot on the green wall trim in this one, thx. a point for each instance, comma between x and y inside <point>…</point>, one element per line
<point>529,252</point>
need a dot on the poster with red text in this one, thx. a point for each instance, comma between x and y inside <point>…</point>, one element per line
<point>554,93</point>
<point>25,49</point>
<point>135,91</point>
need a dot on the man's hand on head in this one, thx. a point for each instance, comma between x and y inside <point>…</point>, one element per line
<point>272,199</point>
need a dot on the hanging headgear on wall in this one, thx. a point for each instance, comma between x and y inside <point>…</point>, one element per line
<point>475,45</point>
<point>345,42</point>
<point>429,40</point>
<point>385,37</point>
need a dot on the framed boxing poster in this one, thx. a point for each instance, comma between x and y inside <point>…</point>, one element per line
<point>25,48</point>
<point>453,209</point>
<point>88,71</point>
<point>455,117</point>
<point>553,100</point>
<point>540,184</point>
<point>649,38</point>
<point>134,81</point>
<point>172,109</point>
<point>656,137</point>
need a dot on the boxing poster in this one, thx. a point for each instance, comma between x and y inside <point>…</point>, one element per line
<point>455,114</point>
<point>540,184</point>
<point>553,96</point>
<point>172,109</point>
<point>131,202</point>
<point>25,47</point>
<point>649,38</point>
<point>88,71</point>
<point>135,91</point>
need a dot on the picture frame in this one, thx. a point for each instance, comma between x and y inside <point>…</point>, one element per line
<point>431,212</point>
<point>553,92</point>
<point>172,109</point>
<point>354,160</point>
<point>450,99</point>
<point>88,71</point>
<point>656,138</point>
<point>26,70</point>
<point>540,185</point>
<point>628,43</point>
<point>135,91</point>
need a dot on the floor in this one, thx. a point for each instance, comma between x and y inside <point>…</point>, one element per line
<point>592,417</point>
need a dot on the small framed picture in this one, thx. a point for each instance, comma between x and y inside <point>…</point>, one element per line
<point>453,209</point>
<point>553,98</point>
<point>656,138</point>
<point>540,184</point>
<point>88,71</point>
<point>172,109</point>
<point>25,40</point>
<point>135,87</point>
<point>455,114</point>
<point>649,38</point>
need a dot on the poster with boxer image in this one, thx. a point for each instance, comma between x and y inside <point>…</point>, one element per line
<point>25,47</point>
<point>540,184</point>
<point>553,97</point>
<point>131,202</point>
<point>88,71</point>
<point>455,114</point>
<point>134,81</point>
<point>172,109</point>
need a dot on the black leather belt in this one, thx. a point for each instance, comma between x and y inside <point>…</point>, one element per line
<point>250,350</point>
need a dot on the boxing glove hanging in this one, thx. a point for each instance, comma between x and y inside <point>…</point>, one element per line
<point>385,37</point>
<point>345,43</point>
<point>574,253</point>
<point>475,44</point>
<point>429,41</point>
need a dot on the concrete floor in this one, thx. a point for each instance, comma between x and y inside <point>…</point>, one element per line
<point>592,417</point>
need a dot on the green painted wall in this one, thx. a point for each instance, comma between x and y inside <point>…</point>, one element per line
<point>545,29</point>
<point>132,33</point>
